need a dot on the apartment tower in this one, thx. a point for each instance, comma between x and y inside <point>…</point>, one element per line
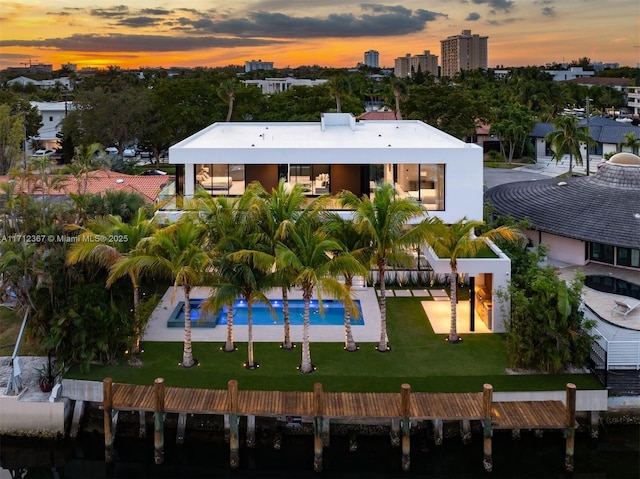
<point>463,52</point>
<point>372,58</point>
<point>410,64</point>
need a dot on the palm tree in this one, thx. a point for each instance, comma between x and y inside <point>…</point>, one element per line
<point>310,253</point>
<point>242,259</point>
<point>85,160</point>
<point>174,251</point>
<point>458,240</point>
<point>631,141</point>
<point>385,219</point>
<point>280,210</point>
<point>97,245</point>
<point>227,92</point>
<point>400,91</point>
<point>567,138</point>
<point>356,245</point>
<point>339,86</point>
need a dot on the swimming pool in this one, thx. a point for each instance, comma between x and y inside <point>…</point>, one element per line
<point>333,314</point>
<point>609,284</point>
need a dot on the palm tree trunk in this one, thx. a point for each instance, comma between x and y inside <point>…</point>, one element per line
<point>382,345</point>
<point>187,353</point>
<point>134,358</point>
<point>570,164</point>
<point>229,346</point>
<point>453,333</point>
<point>305,366</point>
<point>349,343</point>
<point>250,363</point>
<point>286,343</point>
<point>230,109</point>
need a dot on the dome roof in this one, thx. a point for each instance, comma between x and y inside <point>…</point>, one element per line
<point>624,158</point>
<point>604,207</point>
<point>622,170</point>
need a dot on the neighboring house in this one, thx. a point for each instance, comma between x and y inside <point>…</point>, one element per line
<point>570,74</point>
<point>64,82</point>
<point>269,86</point>
<point>341,153</point>
<point>151,188</point>
<point>581,219</point>
<point>607,133</point>
<point>633,99</point>
<point>53,112</point>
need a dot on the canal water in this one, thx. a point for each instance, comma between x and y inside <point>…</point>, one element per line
<point>615,454</point>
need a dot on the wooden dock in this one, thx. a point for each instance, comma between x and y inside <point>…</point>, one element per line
<point>401,409</point>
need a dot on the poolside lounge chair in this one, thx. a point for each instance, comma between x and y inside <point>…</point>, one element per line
<point>624,307</point>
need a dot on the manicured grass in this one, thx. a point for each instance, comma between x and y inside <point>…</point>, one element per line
<point>418,357</point>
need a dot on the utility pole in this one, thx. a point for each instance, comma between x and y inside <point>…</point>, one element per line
<point>588,134</point>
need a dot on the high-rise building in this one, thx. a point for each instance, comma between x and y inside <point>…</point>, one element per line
<point>372,58</point>
<point>257,65</point>
<point>463,52</point>
<point>402,66</point>
<point>409,65</point>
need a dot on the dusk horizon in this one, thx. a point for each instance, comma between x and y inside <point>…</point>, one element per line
<point>293,33</point>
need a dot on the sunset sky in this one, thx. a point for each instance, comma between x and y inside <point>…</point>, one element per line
<point>150,33</point>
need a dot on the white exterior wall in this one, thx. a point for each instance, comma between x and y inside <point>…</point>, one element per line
<point>499,267</point>
<point>340,139</point>
<point>560,248</point>
<point>541,147</point>
<point>52,115</point>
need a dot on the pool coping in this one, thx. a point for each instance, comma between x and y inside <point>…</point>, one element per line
<point>157,329</point>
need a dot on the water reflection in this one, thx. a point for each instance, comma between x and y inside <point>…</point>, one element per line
<point>205,454</point>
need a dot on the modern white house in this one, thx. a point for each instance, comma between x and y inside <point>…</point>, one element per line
<point>340,153</point>
<point>270,86</point>
<point>53,112</point>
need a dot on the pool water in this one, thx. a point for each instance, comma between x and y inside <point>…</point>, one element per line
<point>609,284</point>
<point>262,316</point>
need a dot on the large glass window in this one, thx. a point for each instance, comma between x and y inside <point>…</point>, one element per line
<point>315,179</point>
<point>602,253</point>
<point>422,182</point>
<point>220,179</point>
<point>628,257</point>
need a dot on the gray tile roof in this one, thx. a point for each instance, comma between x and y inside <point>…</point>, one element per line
<point>602,130</point>
<point>600,208</point>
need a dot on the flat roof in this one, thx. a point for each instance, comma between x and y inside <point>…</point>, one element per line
<point>370,141</point>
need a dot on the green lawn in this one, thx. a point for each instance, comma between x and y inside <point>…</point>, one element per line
<point>418,357</point>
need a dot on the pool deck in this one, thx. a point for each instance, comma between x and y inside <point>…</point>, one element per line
<point>603,303</point>
<point>157,329</point>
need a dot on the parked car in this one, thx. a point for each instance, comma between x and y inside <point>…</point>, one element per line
<point>111,150</point>
<point>129,153</point>
<point>153,173</point>
<point>43,152</point>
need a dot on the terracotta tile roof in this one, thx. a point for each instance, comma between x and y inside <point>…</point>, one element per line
<point>101,181</point>
<point>378,115</point>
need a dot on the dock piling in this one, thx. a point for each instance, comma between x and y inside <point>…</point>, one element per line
<point>465,431</point>
<point>405,411</point>
<point>487,403</point>
<point>318,412</point>
<point>234,441</point>
<point>570,431</point>
<point>107,407</point>
<point>251,430</point>
<point>437,431</point>
<point>182,426</point>
<point>143,424</point>
<point>158,420</point>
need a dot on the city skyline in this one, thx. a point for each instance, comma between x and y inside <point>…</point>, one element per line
<point>291,33</point>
